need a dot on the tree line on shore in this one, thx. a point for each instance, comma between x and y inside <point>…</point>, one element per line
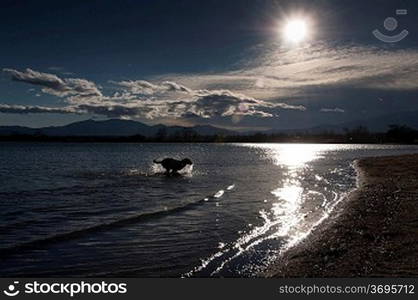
<point>396,134</point>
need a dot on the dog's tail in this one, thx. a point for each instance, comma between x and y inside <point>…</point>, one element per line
<point>157,162</point>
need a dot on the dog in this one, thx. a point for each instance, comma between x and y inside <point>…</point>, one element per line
<point>173,166</point>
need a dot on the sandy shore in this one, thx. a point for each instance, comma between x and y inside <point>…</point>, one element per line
<point>373,233</point>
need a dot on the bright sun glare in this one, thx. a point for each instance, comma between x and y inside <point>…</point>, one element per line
<point>295,30</point>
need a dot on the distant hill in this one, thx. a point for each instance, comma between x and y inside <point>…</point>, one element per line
<point>381,123</point>
<point>127,128</point>
<point>375,124</point>
<point>111,128</point>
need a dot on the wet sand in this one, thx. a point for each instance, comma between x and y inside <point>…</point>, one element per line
<point>372,233</point>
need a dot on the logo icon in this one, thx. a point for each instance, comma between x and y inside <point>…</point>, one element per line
<point>391,24</point>
<point>11,290</point>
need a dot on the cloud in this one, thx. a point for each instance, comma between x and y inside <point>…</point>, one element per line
<point>289,73</point>
<point>332,110</point>
<point>142,87</point>
<point>55,68</point>
<point>210,105</point>
<point>106,110</point>
<point>28,109</point>
<point>143,99</point>
<point>138,87</point>
<point>203,103</point>
<point>109,110</point>
<point>225,103</point>
<point>172,86</point>
<point>54,85</point>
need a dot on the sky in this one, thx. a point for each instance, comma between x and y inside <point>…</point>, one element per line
<point>233,64</point>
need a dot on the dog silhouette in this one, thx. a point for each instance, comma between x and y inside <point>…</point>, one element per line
<point>173,166</point>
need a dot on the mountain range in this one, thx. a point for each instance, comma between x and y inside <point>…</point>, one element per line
<point>111,128</point>
<point>124,128</point>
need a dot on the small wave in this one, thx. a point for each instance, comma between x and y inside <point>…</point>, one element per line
<point>29,193</point>
<point>97,228</point>
<point>219,194</point>
<point>39,243</point>
<point>153,170</point>
<point>231,187</point>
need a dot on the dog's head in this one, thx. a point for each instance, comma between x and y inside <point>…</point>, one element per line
<point>187,161</point>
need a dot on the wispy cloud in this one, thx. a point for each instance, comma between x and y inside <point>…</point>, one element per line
<point>54,85</point>
<point>142,87</point>
<point>289,72</point>
<point>28,109</point>
<point>332,110</point>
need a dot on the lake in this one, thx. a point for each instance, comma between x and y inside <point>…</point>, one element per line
<point>106,210</point>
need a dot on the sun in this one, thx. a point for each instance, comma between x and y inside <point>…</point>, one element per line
<point>295,31</point>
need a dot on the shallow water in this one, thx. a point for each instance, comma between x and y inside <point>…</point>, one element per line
<point>106,210</point>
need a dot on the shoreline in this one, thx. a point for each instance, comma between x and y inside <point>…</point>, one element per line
<point>372,233</point>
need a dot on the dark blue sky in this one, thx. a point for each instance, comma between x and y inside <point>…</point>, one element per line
<point>227,59</point>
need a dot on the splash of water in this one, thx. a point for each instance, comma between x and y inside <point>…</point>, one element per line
<point>157,169</point>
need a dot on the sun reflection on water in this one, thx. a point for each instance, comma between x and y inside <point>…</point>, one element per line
<point>290,218</point>
<point>288,207</point>
<point>300,202</point>
<point>294,156</point>
<point>287,210</point>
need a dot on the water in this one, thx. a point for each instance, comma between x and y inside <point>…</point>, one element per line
<point>106,210</point>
